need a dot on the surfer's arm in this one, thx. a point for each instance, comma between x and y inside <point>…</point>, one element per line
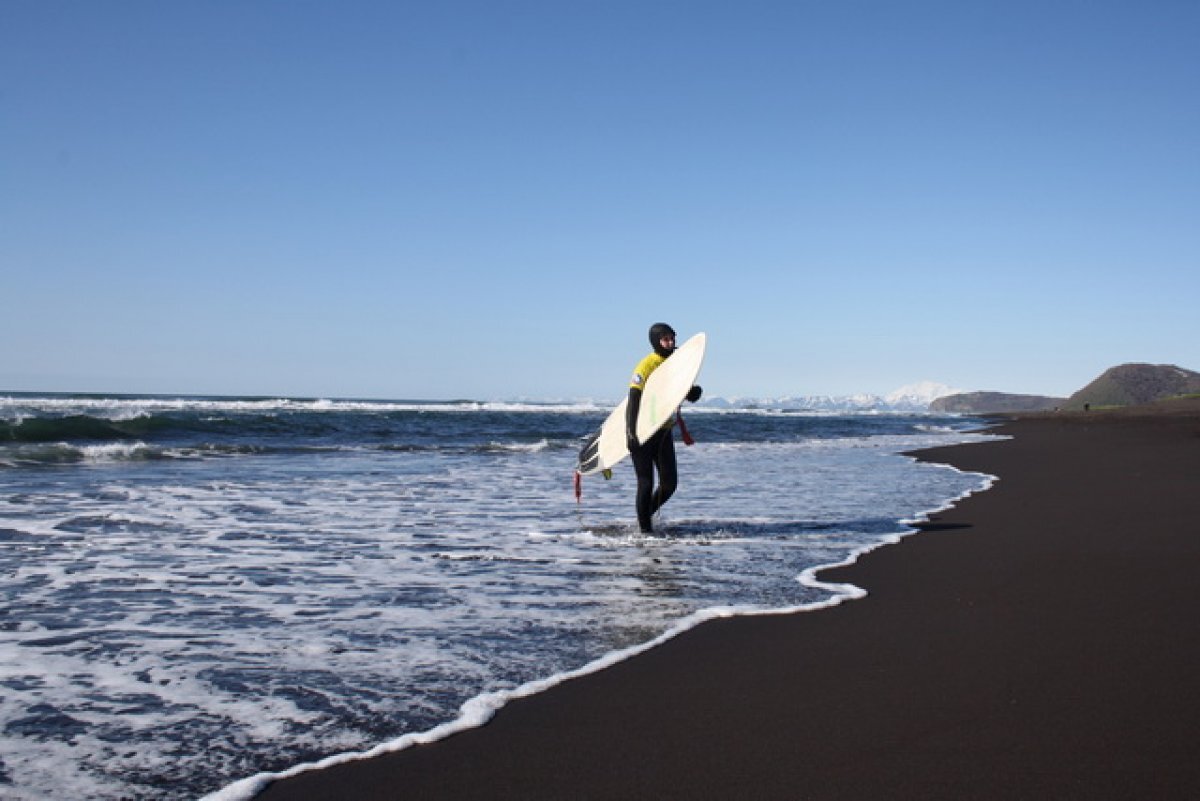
<point>641,374</point>
<point>631,417</point>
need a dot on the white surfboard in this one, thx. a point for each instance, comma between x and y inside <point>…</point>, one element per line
<point>669,385</point>
<point>664,391</point>
<point>607,446</point>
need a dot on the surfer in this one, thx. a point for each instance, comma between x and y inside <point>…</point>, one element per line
<point>658,452</point>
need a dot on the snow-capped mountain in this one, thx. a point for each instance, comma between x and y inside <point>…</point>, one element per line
<point>910,398</point>
<point>920,394</point>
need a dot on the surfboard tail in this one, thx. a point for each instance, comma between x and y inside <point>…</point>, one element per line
<point>589,456</point>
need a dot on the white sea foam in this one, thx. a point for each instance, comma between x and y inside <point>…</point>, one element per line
<point>14,409</point>
<point>526,447</point>
<point>112,451</point>
<point>479,710</point>
<point>278,607</point>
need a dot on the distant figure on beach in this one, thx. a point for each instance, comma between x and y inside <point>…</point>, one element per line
<point>658,452</point>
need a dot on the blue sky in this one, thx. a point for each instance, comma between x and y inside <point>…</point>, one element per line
<point>496,199</point>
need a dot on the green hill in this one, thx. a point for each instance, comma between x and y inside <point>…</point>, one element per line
<point>994,403</point>
<point>1132,384</point>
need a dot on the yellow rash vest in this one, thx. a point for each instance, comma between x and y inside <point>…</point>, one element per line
<point>643,370</point>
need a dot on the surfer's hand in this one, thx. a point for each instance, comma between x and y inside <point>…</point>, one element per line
<point>694,393</point>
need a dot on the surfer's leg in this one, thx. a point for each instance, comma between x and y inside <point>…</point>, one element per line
<point>668,478</point>
<point>643,465</point>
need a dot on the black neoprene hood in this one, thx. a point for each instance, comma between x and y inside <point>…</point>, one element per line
<point>657,332</point>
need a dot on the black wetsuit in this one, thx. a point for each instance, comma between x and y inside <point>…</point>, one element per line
<point>658,452</point>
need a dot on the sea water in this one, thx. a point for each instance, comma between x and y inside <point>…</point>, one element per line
<point>194,591</point>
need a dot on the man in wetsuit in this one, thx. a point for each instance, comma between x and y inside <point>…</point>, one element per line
<point>658,452</point>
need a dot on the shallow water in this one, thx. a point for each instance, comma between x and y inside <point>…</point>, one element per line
<point>197,590</point>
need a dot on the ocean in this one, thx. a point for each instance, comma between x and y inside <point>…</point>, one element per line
<point>197,593</point>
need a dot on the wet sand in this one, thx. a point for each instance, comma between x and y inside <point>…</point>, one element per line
<point>1039,641</point>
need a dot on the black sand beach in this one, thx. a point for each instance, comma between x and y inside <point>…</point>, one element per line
<point>1039,641</point>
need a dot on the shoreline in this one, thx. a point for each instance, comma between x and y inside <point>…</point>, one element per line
<point>480,710</point>
<point>973,668</point>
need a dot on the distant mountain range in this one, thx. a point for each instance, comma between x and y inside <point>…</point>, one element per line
<point>1127,384</point>
<point>911,398</point>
